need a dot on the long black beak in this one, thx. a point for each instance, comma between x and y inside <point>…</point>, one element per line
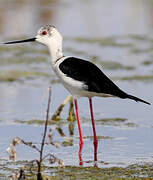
<point>21,41</point>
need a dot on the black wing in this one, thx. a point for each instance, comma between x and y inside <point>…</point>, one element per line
<point>91,75</point>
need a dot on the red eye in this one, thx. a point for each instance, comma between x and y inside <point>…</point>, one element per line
<point>44,33</point>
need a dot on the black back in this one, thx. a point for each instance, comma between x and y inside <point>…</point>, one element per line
<point>91,75</point>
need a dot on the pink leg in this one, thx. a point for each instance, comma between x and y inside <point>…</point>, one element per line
<point>94,130</point>
<point>80,132</point>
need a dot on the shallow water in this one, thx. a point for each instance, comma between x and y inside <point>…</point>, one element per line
<point>118,38</point>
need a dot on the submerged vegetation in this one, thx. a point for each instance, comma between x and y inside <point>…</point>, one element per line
<point>20,75</point>
<point>136,78</point>
<point>135,171</point>
<point>111,65</point>
<point>37,166</point>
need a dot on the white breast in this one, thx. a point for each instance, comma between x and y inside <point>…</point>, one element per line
<point>76,88</point>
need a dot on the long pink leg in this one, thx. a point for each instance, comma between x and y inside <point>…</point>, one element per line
<point>94,130</point>
<point>80,132</point>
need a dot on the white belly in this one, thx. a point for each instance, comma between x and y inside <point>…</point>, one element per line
<point>76,88</point>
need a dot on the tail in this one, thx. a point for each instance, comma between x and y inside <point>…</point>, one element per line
<point>137,99</point>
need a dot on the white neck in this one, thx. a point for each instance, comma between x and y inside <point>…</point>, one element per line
<point>55,50</point>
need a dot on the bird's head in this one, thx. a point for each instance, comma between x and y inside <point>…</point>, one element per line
<point>47,35</point>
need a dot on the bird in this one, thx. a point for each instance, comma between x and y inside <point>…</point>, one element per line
<point>80,77</point>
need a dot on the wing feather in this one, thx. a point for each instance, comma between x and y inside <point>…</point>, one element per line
<point>94,79</point>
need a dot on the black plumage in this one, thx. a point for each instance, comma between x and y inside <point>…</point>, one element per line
<point>94,79</point>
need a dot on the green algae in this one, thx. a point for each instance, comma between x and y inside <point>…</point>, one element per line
<point>112,65</point>
<point>38,122</point>
<point>140,50</point>
<point>136,77</point>
<point>138,37</point>
<point>19,75</point>
<point>116,122</point>
<point>112,120</point>
<point>130,124</point>
<point>109,41</point>
<point>134,171</point>
<point>99,137</point>
<point>23,49</point>
<point>147,62</point>
<point>23,60</point>
<point>31,122</point>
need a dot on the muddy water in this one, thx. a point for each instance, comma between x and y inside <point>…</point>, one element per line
<point>118,38</point>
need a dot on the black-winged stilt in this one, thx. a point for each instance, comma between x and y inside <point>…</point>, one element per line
<point>80,77</point>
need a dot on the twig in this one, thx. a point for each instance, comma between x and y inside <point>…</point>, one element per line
<point>45,156</point>
<point>30,144</point>
<point>39,177</point>
<point>22,175</point>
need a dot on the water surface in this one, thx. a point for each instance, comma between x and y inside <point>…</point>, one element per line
<point>118,38</point>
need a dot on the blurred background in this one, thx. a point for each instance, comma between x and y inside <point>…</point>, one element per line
<point>77,18</point>
<point>115,35</point>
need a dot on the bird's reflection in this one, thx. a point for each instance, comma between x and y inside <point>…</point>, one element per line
<point>71,122</point>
